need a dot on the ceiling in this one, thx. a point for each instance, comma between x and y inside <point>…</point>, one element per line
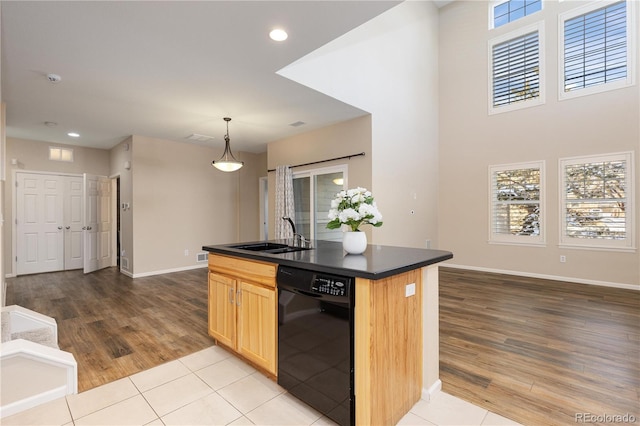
<point>168,69</point>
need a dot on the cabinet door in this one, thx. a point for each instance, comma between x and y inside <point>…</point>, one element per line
<point>257,327</point>
<point>222,309</point>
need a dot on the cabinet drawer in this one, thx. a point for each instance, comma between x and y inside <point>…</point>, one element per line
<point>253,270</point>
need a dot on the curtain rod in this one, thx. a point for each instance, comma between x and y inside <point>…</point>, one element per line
<point>323,161</point>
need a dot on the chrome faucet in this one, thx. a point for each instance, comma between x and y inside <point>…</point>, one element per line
<point>298,239</point>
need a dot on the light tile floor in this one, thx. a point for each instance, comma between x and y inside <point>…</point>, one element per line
<point>213,387</point>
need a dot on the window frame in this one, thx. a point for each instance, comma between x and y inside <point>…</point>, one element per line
<point>527,240</point>
<point>540,99</point>
<point>311,174</point>
<point>492,13</point>
<point>628,244</point>
<point>631,50</point>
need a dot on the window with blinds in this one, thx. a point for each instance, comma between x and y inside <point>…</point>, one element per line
<point>596,48</point>
<point>515,74</point>
<point>596,199</point>
<point>504,12</point>
<point>516,192</point>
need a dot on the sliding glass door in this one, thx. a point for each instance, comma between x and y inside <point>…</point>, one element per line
<point>313,191</point>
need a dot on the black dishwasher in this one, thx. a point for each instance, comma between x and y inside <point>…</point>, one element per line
<point>315,340</point>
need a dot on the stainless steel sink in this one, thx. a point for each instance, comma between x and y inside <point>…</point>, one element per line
<point>273,248</point>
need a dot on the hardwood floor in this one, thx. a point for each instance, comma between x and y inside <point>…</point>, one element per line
<point>535,351</point>
<point>115,325</point>
<point>540,352</point>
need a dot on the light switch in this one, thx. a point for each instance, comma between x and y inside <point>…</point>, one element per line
<point>410,290</point>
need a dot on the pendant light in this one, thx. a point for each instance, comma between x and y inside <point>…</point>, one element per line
<point>227,163</point>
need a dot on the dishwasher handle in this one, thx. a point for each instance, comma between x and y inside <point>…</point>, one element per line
<point>337,300</point>
<point>307,293</point>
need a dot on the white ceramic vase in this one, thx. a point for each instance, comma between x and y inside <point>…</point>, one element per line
<point>354,242</point>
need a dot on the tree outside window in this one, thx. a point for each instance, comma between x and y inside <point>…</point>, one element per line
<point>597,208</point>
<point>516,213</point>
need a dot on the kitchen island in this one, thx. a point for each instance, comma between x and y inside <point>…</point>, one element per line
<point>395,316</point>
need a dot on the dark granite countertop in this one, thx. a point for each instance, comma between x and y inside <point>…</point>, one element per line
<point>327,256</point>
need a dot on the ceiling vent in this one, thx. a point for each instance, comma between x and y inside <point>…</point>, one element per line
<point>199,138</point>
<point>297,124</point>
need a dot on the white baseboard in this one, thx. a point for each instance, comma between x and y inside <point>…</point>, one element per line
<point>434,389</point>
<point>32,401</point>
<point>168,271</point>
<point>543,276</point>
<point>148,274</point>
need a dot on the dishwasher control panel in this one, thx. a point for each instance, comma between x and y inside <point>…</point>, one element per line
<point>332,285</point>
<point>321,284</point>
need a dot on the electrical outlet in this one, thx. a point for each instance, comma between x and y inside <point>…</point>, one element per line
<point>563,259</point>
<point>427,244</point>
<point>186,252</point>
<point>410,290</point>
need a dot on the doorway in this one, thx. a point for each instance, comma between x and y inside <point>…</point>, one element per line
<point>313,192</point>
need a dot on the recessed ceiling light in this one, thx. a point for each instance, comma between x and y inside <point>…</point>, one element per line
<point>278,34</point>
<point>73,134</point>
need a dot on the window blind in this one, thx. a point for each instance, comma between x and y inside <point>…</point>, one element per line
<point>516,70</point>
<point>595,47</point>
<point>515,202</point>
<point>595,200</point>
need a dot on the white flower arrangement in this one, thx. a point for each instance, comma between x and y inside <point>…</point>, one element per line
<point>354,207</point>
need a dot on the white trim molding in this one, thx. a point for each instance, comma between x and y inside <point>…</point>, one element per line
<point>631,42</point>
<point>538,28</point>
<point>432,392</point>
<point>164,271</point>
<point>544,276</point>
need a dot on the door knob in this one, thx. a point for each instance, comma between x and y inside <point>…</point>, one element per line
<point>67,227</point>
<point>59,227</point>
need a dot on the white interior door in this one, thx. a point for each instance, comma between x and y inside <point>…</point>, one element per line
<point>73,222</point>
<point>97,225</point>
<point>39,223</point>
<point>90,223</point>
<point>105,226</point>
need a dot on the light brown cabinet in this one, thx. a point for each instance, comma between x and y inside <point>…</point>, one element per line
<point>243,308</point>
<point>222,309</point>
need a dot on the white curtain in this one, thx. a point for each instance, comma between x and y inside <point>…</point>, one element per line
<point>284,202</point>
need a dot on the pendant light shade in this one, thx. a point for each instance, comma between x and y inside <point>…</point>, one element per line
<point>227,163</point>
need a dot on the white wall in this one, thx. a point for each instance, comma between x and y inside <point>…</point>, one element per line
<point>178,200</point>
<point>3,148</point>
<point>339,140</point>
<point>471,140</point>
<point>179,203</point>
<point>388,67</point>
<point>255,167</point>
<point>118,155</point>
